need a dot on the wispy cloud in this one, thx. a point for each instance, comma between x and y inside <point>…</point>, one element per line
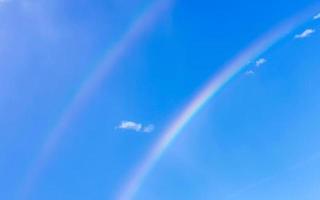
<point>249,73</point>
<point>257,64</point>
<point>149,128</point>
<point>260,62</point>
<point>317,16</point>
<point>304,34</point>
<point>129,125</point>
<point>134,126</point>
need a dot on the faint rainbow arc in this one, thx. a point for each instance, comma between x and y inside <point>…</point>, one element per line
<point>141,25</point>
<point>217,82</point>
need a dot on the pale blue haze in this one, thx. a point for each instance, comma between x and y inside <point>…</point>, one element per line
<point>258,138</point>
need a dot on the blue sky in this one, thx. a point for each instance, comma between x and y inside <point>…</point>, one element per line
<point>256,139</point>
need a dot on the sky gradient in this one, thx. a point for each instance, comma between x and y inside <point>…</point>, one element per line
<point>90,88</point>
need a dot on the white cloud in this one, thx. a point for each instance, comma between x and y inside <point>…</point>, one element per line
<point>134,126</point>
<point>249,73</point>
<point>129,125</point>
<point>149,128</point>
<point>257,63</point>
<point>317,16</point>
<point>304,34</point>
<point>260,62</point>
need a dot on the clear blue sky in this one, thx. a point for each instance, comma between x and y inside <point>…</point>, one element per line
<point>258,138</point>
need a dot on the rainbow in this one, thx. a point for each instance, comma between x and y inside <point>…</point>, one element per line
<point>136,30</point>
<point>209,90</point>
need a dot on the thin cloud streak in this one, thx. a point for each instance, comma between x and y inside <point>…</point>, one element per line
<point>306,33</point>
<point>317,16</point>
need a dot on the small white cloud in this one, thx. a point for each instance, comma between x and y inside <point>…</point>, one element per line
<point>304,34</point>
<point>134,126</point>
<point>260,62</point>
<point>317,16</point>
<point>249,73</point>
<point>149,128</point>
<point>129,125</point>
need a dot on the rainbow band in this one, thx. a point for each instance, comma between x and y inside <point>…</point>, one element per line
<point>137,29</point>
<point>210,89</point>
